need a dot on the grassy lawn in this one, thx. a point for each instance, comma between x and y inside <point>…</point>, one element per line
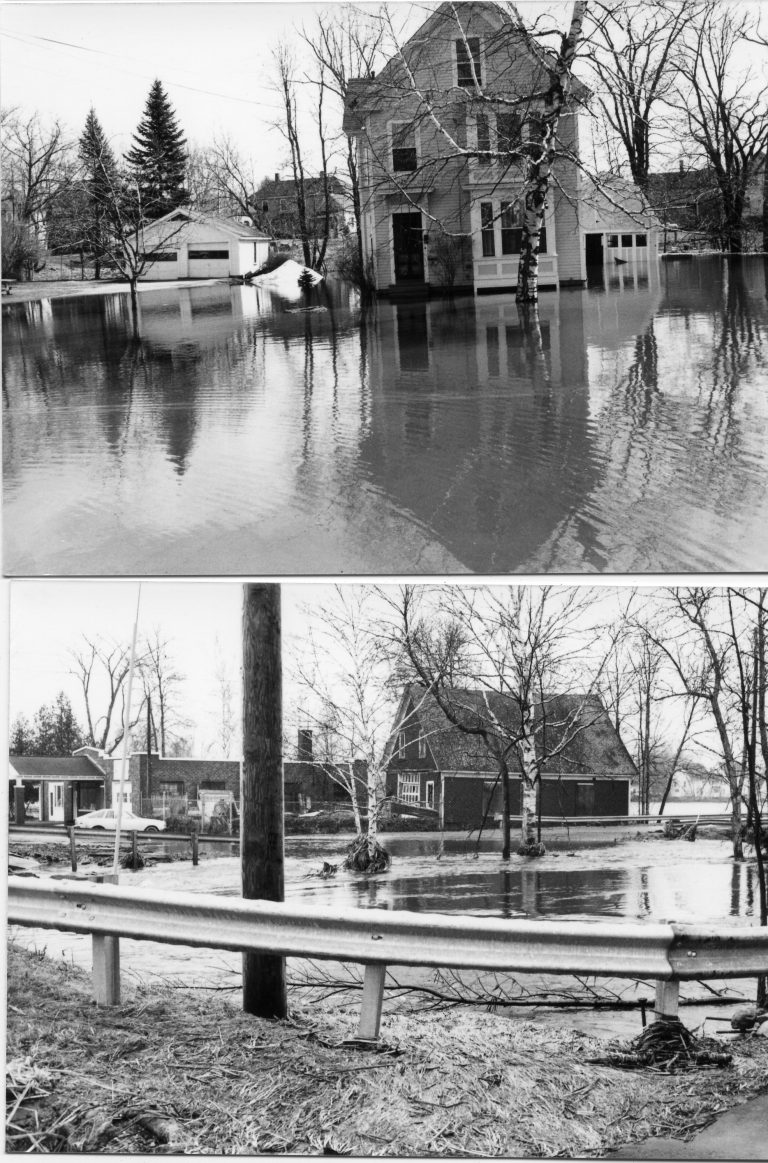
<point>183,1070</point>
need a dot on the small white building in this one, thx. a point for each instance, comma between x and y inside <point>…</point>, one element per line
<point>187,244</point>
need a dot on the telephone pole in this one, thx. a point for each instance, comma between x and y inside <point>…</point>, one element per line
<point>261,817</point>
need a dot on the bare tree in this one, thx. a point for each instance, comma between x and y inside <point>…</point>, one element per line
<point>726,107</point>
<point>223,181</point>
<point>162,680</point>
<point>226,695</point>
<point>313,229</point>
<point>36,167</point>
<point>101,669</point>
<point>346,46</point>
<point>345,670</point>
<point>633,49</point>
<point>542,648</point>
<point>693,631</point>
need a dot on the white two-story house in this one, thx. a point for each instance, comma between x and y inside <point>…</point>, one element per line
<point>445,133</point>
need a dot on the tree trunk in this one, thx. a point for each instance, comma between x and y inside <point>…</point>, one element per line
<point>373,810</point>
<point>506,845</point>
<point>261,821</point>
<point>540,169</point>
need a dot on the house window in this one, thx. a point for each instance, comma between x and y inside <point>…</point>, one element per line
<point>613,240</point>
<point>534,129</point>
<point>483,134</point>
<point>159,256</point>
<point>209,254</point>
<point>641,240</point>
<point>508,132</point>
<point>511,230</point>
<point>465,62</point>
<point>422,747</point>
<point>486,229</point>
<point>170,787</point>
<point>408,788</point>
<point>400,743</point>
<point>403,147</point>
<point>626,240</point>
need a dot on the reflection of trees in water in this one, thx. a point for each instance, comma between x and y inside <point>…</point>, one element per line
<point>644,415</point>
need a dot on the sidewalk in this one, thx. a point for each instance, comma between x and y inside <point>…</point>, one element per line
<point>70,288</point>
<point>740,1133</point>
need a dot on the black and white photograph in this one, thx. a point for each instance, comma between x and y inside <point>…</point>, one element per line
<point>464,288</point>
<point>478,871</point>
<point>384,595</point>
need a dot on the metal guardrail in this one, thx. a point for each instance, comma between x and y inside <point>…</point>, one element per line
<point>667,953</point>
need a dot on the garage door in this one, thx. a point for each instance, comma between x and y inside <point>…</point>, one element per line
<point>208,262</point>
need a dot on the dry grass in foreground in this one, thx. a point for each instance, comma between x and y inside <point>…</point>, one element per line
<point>183,1071</point>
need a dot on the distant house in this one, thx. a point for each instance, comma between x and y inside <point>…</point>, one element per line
<point>187,244</point>
<point>443,134</point>
<point>436,767</point>
<point>277,202</point>
<point>57,789</point>
<point>688,203</point>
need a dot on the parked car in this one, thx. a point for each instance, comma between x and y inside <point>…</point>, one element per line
<point>107,818</point>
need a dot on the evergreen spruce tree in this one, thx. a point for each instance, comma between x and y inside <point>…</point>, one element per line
<point>102,183</point>
<point>57,731</point>
<point>158,157</point>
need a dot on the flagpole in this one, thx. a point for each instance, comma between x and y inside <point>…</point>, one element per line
<point>126,732</point>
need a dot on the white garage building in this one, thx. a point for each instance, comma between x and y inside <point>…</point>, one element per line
<point>186,244</point>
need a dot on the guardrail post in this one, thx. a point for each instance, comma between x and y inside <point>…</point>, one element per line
<point>373,996</point>
<point>72,849</point>
<point>195,847</point>
<point>667,999</point>
<point>106,970</point>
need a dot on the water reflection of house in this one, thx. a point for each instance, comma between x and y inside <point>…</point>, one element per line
<point>480,424</point>
<point>435,767</point>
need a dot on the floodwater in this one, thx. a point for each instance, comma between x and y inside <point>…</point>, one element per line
<point>246,432</point>
<point>635,880</point>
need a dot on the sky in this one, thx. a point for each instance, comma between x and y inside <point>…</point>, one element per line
<point>201,619</point>
<point>215,60</point>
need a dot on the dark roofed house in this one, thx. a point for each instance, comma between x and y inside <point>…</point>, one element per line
<point>436,768</point>
<point>277,203</point>
<point>57,788</point>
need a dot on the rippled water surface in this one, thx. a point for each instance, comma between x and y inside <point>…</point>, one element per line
<point>245,432</point>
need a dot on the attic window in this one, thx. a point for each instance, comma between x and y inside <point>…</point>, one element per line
<point>422,747</point>
<point>464,63</point>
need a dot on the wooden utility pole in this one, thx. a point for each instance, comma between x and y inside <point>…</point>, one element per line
<point>261,817</point>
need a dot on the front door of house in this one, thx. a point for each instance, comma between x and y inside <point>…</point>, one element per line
<point>56,801</point>
<point>408,248</point>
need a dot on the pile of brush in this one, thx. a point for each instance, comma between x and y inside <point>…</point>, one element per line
<point>668,1046</point>
<point>366,855</point>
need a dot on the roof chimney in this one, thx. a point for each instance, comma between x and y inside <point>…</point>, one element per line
<point>304,748</point>
<point>277,178</point>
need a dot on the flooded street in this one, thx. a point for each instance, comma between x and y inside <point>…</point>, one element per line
<point>250,433</point>
<point>645,880</point>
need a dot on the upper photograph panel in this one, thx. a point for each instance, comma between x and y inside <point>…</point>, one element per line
<point>434,289</point>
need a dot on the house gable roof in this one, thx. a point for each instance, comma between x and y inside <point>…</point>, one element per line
<point>595,748</point>
<point>227,226</point>
<point>499,16</point>
<point>75,767</point>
